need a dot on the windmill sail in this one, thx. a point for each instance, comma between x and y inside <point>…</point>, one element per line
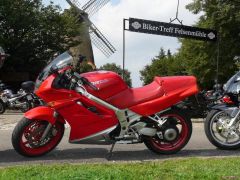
<point>98,39</point>
<point>101,42</point>
<point>93,6</point>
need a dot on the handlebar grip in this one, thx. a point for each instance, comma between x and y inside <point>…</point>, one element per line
<point>86,81</point>
<point>92,86</point>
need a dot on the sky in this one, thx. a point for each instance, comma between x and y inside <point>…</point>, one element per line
<point>140,48</point>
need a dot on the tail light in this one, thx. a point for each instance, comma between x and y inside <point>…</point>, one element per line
<point>227,100</point>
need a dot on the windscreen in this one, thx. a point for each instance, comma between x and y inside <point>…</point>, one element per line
<point>60,62</point>
<point>233,84</point>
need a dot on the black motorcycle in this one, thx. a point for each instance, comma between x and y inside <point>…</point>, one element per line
<point>23,100</point>
<point>222,125</point>
<point>199,105</point>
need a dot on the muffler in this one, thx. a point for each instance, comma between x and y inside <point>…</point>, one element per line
<point>148,131</point>
<point>142,129</point>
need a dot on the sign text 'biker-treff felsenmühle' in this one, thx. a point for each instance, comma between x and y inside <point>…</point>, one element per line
<point>169,29</point>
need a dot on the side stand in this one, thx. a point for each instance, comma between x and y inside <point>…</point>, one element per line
<point>109,155</point>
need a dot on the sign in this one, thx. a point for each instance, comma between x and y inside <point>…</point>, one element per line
<point>169,29</point>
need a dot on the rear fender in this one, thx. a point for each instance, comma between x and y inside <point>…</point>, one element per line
<point>44,113</point>
<point>229,109</point>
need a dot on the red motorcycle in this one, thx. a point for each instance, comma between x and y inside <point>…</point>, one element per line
<point>101,109</point>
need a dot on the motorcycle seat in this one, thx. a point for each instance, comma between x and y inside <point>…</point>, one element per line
<point>134,96</point>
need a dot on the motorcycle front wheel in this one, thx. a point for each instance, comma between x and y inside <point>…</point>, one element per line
<point>176,133</point>
<point>218,132</point>
<point>26,137</point>
<point>2,107</point>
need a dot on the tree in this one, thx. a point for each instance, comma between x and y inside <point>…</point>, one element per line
<point>31,33</point>
<point>162,65</point>
<point>200,58</point>
<point>117,69</point>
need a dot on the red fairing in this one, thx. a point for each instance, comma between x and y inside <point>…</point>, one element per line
<point>73,108</point>
<point>83,122</point>
<point>175,89</point>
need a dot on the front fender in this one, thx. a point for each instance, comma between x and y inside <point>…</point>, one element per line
<point>222,107</point>
<point>43,113</point>
<point>229,109</point>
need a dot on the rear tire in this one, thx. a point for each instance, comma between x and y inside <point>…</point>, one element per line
<point>27,108</point>
<point>31,131</point>
<point>2,107</point>
<point>158,146</point>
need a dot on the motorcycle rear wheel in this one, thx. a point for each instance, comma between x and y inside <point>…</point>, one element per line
<point>2,107</point>
<point>27,134</point>
<point>184,126</point>
<point>27,107</point>
<point>217,136</point>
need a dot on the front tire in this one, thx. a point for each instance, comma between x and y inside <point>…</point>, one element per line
<point>27,134</point>
<point>216,133</point>
<point>183,127</point>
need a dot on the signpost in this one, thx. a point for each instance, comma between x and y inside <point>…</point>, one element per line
<point>166,29</point>
<point>169,29</point>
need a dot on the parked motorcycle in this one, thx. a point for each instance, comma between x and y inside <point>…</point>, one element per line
<point>222,125</point>
<point>199,105</point>
<point>101,109</point>
<point>23,100</point>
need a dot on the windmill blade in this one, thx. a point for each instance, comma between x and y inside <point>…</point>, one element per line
<point>97,43</point>
<point>92,6</point>
<point>101,42</point>
<point>75,4</point>
<point>98,39</point>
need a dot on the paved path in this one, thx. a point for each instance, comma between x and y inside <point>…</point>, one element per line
<point>68,153</point>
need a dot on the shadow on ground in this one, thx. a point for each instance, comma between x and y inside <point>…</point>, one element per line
<point>10,157</point>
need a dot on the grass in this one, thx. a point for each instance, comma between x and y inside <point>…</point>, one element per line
<point>192,168</point>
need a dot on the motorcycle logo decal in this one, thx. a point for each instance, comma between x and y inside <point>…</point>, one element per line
<point>100,82</point>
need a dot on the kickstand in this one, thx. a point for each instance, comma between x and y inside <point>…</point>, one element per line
<point>109,155</point>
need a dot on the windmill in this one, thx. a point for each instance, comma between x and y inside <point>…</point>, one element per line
<point>90,32</point>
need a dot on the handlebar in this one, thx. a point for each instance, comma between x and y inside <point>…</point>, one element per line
<point>85,81</point>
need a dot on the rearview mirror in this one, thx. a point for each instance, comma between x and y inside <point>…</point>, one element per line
<point>54,69</point>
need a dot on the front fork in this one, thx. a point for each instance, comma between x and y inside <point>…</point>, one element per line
<point>46,131</point>
<point>235,117</point>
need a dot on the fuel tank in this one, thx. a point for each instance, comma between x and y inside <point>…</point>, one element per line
<point>108,83</point>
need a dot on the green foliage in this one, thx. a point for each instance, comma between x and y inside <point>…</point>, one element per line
<point>200,58</point>
<point>117,69</point>
<point>192,168</point>
<point>162,65</point>
<point>31,33</point>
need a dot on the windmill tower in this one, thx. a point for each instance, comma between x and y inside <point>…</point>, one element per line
<point>90,33</point>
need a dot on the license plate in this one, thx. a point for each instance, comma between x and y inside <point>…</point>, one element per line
<point>29,97</point>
